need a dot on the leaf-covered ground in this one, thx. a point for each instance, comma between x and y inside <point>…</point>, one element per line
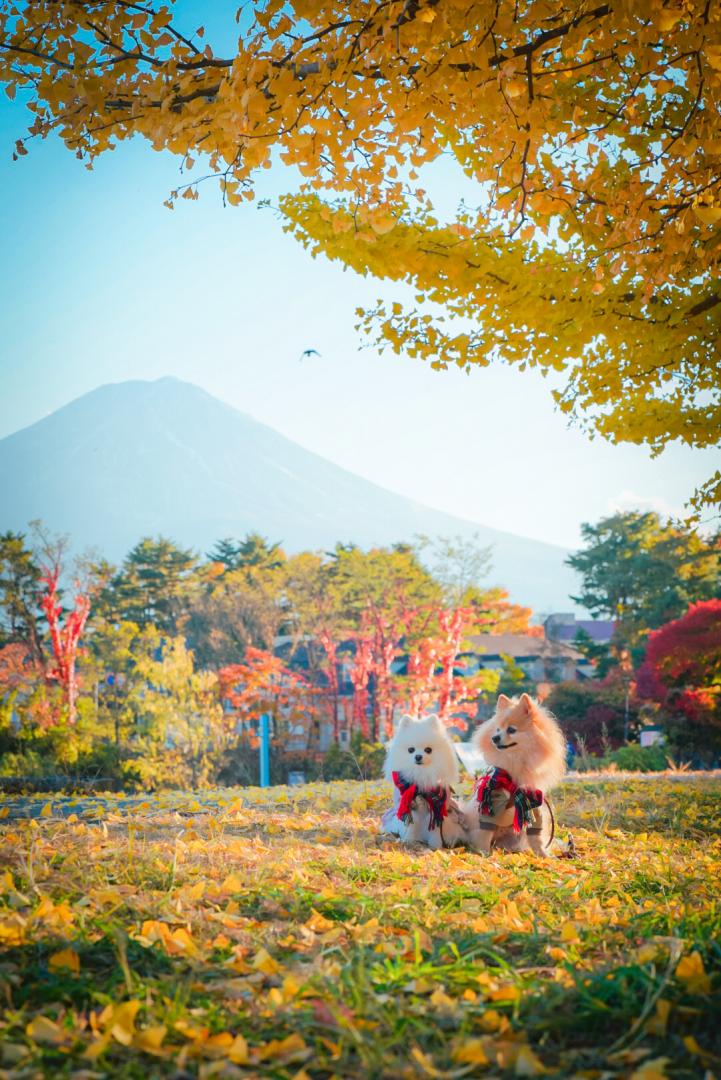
<point>276,934</point>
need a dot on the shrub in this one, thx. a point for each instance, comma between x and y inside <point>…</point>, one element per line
<point>592,712</point>
<point>363,761</point>
<point>631,758</point>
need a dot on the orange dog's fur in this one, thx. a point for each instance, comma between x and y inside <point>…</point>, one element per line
<point>525,740</point>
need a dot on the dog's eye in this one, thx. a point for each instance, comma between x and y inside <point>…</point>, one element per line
<point>429,750</point>
<point>411,749</point>
<point>511,730</point>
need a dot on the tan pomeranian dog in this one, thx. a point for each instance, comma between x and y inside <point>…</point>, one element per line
<point>422,765</point>
<point>526,751</point>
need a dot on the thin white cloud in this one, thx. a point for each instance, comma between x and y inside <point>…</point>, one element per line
<point>630,500</point>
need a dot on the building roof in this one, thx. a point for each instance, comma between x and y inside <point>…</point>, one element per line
<point>523,647</point>
<point>599,630</point>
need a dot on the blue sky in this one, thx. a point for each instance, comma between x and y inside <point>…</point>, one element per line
<point>99,282</point>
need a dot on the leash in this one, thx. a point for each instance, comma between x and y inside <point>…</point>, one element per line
<point>553,822</point>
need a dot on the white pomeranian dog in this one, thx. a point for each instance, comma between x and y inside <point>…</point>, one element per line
<point>526,752</point>
<point>422,765</point>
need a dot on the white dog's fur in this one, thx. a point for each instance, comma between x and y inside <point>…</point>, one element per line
<point>524,739</point>
<point>422,751</point>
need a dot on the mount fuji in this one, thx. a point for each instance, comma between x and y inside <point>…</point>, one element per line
<point>139,458</point>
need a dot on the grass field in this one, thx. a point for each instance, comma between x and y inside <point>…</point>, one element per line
<point>276,934</point>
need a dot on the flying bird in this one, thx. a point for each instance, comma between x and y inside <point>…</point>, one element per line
<point>308,352</point>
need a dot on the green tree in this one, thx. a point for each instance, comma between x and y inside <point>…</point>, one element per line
<point>20,589</point>
<point>112,673</point>
<point>224,552</point>
<point>253,551</point>
<point>513,679</point>
<point>391,579</point>
<point>643,572</point>
<point>598,653</point>
<point>153,586</point>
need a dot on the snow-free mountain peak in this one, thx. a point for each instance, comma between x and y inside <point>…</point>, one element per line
<point>141,458</point>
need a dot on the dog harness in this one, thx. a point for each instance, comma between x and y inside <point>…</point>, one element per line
<point>436,798</point>
<point>505,803</point>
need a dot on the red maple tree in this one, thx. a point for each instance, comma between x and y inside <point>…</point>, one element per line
<point>682,667</point>
<point>64,636</point>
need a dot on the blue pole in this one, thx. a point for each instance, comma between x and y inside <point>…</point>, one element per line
<point>265,750</point>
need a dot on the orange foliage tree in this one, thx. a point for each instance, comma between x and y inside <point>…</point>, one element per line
<point>260,684</point>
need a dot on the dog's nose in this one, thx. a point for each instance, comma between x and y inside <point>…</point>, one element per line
<point>496,738</point>
<point>419,758</point>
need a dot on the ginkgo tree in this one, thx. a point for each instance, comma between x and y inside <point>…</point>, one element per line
<point>588,133</point>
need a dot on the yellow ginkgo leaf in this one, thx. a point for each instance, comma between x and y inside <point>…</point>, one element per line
<point>470,1052</point>
<point>44,1030</point>
<point>528,1064</point>
<point>122,1023</point>
<point>293,1048</point>
<point>440,1000</point>
<point>150,1039</point>
<point>232,884</point>
<point>709,215</point>
<point>238,1051</point>
<point>65,960</point>
<point>318,923</point>
<point>12,931</point>
<point>425,1063</point>
<point>690,970</point>
<point>657,1024</point>
<point>515,88</point>
<point>655,1069</point>
<point>264,962</point>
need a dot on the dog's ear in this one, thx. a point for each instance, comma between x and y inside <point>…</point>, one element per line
<point>404,721</point>
<point>503,702</point>
<point>526,704</point>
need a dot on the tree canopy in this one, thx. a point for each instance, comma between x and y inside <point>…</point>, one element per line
<point>588,134</point>
<point>642,572</point>
<point>682,673</point>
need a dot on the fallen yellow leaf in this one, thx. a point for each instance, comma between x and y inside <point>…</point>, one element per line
<point>657,1024</point>
<point>318,923</point>
<point>569,932</point>
<point>264,962</point>
<point>293,1048</point>
<point>122,1022</point>
<point>44,1030</point>
<point>231,884</point>
<point>150,1039</point>
<point>425,1063</point>
<point>691,971</point>
<point>65,960</point>
<point>470,1052</point>
<point>655,1069</point>
<point>528,1064</point>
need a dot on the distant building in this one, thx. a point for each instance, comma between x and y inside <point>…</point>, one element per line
<point>651,734</point>
<point>540,659</point>
<point>563,627</point>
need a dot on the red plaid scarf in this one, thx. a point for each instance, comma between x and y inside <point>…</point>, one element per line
<point>525,800</point>
<point>436,799</point>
